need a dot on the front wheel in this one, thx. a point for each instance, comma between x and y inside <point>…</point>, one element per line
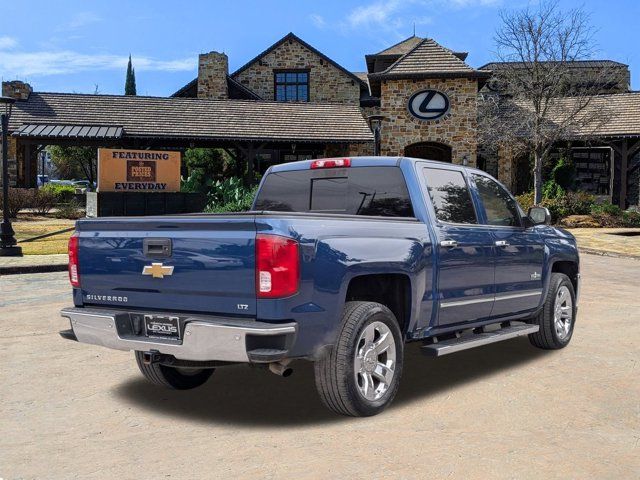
<point>360,375</point>
<point>173,377</point>
<point>557,316</point>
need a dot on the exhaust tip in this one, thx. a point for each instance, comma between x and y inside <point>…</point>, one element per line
<point>280,369</point>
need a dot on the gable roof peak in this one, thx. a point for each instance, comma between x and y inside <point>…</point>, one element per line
<point>429,57</point>
<point>292,36</point>
<point>401,47</point>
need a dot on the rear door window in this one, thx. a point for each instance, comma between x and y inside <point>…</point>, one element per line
<point>450,195</point>
<point>370,191</point>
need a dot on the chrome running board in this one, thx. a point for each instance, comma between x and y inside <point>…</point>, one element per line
<point>476,338</point>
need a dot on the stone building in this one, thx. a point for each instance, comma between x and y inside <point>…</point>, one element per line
<point>293,102</point>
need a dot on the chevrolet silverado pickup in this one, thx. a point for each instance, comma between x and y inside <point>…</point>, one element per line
<point>340,262</point>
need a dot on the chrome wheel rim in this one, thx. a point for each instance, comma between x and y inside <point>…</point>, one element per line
<point>563,312</point>
<point>375,361</point>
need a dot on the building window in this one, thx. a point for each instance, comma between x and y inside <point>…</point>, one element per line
<point>292,86</point>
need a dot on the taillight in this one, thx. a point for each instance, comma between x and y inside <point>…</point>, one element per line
<point>331,163</point>
<point>74,265</point>
<point>277,266</point>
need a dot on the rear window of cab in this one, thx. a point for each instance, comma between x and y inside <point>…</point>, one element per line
<point>369,191</point>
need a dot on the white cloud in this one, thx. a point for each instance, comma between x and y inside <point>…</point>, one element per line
<point>318,20</point>
<point>7,43</point>
<point>392,14</point>
<point>82,19</point>
<point>379,12</point>
<point>476,3</point>
<point>22,64</point>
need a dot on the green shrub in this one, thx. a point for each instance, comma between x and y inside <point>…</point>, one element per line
<point>204,166</point>
<point>564,173</point>
<point>230,195</point>
<point>631,218</point>
<point>71,210</point>
<point>62,193</point>
<point>607,209</point>
<point>526,200</point>
<point>569,203</point>
<point>550,189</point>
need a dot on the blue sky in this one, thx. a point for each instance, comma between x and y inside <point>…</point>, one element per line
<point>74,45</point>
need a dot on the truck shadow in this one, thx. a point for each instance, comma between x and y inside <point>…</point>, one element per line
<point>250,397</point>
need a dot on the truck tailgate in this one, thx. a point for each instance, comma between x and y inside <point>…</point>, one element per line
<point>213,260</point>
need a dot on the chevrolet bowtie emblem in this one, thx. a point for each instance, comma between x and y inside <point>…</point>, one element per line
<point>157,270</point>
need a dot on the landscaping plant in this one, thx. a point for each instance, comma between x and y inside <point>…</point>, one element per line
<point>230,195</point>
<point>19,199</point>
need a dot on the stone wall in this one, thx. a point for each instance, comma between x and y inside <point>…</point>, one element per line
<point>213,68</point>
<point>16,89</point>
<point>456,129</point>
<point>326,82</point>
<point>333,150</point>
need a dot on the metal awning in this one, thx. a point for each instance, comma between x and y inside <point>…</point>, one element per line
<point>68,131</point>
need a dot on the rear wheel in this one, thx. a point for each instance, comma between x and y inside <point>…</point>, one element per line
<point>173,377</point>
<point>360,375</point>
<point>557,317</point>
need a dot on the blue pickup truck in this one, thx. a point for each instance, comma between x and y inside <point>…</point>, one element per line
<point>340,262</point>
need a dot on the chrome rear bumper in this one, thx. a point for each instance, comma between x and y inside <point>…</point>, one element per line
<point>204,338</point>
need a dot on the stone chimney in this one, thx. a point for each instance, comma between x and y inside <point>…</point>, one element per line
<point>213,68</point>
<point>16,89</point>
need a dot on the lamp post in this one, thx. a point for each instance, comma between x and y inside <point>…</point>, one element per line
<point>8,242</point>
<point>375,121</point>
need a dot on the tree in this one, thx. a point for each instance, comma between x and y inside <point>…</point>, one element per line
<point>537,99</point>
<point>130,82</point>
<point>75,162</point>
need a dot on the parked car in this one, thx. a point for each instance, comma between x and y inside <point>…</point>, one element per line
<point>340,262</point>
<point>84,184</point>
<point>68,183</point>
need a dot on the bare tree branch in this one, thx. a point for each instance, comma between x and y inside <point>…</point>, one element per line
<point>539,96</point>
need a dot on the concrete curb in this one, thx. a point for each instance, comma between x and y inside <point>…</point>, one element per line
<point>20,269</point>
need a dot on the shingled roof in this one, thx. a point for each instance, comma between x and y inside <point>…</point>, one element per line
<point>402,47</point>
<point>606,116</point>
<point>192,118</point>
<point>427,59</point>
<point>494,66</point>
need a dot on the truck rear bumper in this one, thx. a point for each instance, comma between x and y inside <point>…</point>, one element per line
<point>204,338</point>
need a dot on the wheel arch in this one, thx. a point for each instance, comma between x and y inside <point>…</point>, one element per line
<point>390,289</point>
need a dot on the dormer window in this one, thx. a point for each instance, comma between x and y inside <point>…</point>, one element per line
<point>291,86</point>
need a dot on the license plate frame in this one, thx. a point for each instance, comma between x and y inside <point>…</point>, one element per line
<point>162,326</point>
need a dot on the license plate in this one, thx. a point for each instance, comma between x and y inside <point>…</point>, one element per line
<point>162,326</point>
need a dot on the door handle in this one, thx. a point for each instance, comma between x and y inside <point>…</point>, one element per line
<point>502,243</point>
<point>448,243</point>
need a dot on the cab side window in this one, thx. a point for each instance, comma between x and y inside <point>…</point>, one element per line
<point>500,207</point>
<point>450,196</point>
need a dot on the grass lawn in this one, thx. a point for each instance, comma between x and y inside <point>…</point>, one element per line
<point>28,226</point>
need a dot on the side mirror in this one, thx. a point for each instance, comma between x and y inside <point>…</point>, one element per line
<point>539,216</point>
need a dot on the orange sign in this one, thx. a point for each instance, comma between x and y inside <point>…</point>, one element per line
<point>138,170</point>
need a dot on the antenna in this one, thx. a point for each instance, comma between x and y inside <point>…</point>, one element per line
<point>414,29</point>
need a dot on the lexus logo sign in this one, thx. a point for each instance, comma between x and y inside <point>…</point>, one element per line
<point>428,104</point>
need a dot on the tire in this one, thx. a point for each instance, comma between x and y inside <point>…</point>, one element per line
<point>349,374</point>
<point>171,377</point>
<point>551,335</point>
